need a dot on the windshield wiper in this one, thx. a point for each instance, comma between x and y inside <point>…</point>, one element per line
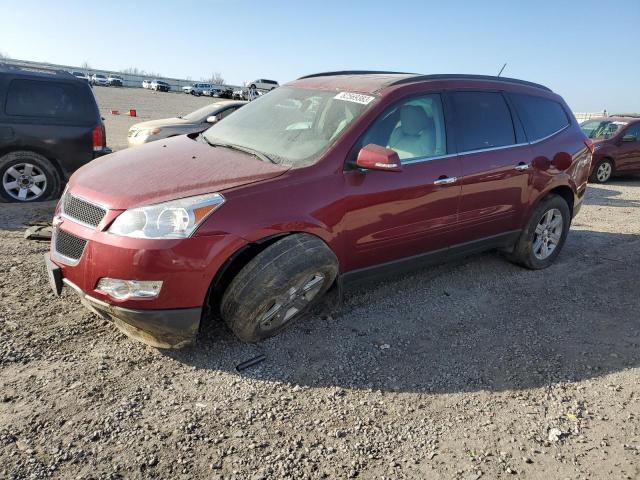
<point>262,156</point>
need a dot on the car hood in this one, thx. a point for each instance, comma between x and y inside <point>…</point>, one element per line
<point>166,170</point>
<point>163,122</point>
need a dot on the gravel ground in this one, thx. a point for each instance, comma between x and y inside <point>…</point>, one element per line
<point>477,369</point>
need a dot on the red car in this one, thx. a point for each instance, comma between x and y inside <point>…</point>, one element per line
<point>616,143</point>
<point>330,179</point>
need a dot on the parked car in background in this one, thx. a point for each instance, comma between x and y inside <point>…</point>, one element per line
<point>239,94</point>
<point>197,88</point>
<point>616,141</point>
<point>81,75</point>
<point>99,79</point>
<point>146,84</point>
<point>263,84</point>
<point>50,126</point>
<point>212,92</point>
<point>160,86</point>
<point>226,92</point>
<point>256,218</point>
<point>114,81</point>
<point>194,122</point>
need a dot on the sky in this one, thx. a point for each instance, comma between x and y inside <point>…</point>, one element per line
<point>587,51</point>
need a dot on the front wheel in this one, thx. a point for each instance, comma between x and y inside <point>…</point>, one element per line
<point>542,239</point>
<point>278,286</point>
<point>27,177</point>
<point>603,171</point>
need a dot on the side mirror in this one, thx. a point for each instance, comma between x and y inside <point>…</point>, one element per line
<point>629,138</point>
<point>375,157</point>
<point>213,119</point>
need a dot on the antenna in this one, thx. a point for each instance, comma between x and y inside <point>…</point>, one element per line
<point>502,69</point>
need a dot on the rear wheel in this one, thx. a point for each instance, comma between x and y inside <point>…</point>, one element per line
<point>278,286</point>
<point>603,171</point>
<point>27,177</point>
<point>543,238</point>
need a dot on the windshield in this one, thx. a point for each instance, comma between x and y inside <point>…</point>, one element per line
<point>293,126</point>
<point>201,114</point>
<point>601,129</point>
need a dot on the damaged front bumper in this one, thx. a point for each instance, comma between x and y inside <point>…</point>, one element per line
<point>174,328</point>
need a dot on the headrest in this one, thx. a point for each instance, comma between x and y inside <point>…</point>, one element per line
<point>413,119</point>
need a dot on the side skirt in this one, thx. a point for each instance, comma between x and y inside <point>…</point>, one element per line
<point>394,268</point>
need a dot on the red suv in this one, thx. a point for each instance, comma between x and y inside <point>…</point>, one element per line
<point>330,179</point>
<point>616,143</point>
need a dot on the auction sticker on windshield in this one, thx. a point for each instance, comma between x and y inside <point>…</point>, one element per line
<point>354,97</point>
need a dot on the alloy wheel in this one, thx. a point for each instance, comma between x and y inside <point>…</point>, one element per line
<point>604,172</point>
<point>548,234</point>
<point>24,182</point>
<point>296,299</point>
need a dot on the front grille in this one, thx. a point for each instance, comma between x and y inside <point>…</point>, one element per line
<point>68,245</point>
<point>82,211</point>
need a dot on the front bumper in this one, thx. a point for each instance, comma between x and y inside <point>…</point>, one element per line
<point>186,267</point>
<point>174,328</point>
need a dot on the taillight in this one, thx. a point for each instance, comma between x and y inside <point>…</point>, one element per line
<point>99,138</point>
<point>589,143</point>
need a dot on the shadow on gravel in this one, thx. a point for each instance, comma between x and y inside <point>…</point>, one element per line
<point>605,197</point>
<point>479,324</point>
<point>15,216</point>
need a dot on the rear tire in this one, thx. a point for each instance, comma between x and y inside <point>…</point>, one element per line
<point>603,171</point>
<point>278,286</point>
<point>28,177</point>
<point>543,237</point>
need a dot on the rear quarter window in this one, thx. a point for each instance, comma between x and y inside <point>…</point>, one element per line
<point>51,100</point>
<point>540,117</point>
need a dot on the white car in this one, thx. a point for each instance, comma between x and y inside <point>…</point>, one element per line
<point>99,79</point>
<point>146,84</point>
<point>80,75</point>
<point>193,122</point>
<point>197,88</point>
<point>263,84</point>
<point>115,81</point>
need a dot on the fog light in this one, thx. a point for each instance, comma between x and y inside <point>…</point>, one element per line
<point>122,289</point>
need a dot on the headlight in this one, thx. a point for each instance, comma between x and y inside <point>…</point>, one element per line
<point>174,219</point>
<point>148,132</point>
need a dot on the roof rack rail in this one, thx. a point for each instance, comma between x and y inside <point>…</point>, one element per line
<point>355,72</point>
<point>448,76</point>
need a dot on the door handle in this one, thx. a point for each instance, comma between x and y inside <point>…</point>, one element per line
<point>445,180</point>
<point>521,167</point>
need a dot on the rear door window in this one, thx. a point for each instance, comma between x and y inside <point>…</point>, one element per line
<point>540,117</point>
<point>53,100</point>
<point>482,120</point>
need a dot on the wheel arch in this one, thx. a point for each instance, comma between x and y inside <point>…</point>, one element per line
<point>564,191</point>
<point>595,163</point>
<point>237,260</point>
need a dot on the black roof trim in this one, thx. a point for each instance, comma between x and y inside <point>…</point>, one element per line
<point>354,72</point>
<point>447,76</point>
<point>628,115</point>
<point>415,77</point>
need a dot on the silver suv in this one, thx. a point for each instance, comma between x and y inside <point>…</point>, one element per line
<point>197,88</point>
<point>263,84</point>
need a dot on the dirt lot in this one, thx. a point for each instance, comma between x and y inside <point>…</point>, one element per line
<point>149,105</point>
<point>477,369</point>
